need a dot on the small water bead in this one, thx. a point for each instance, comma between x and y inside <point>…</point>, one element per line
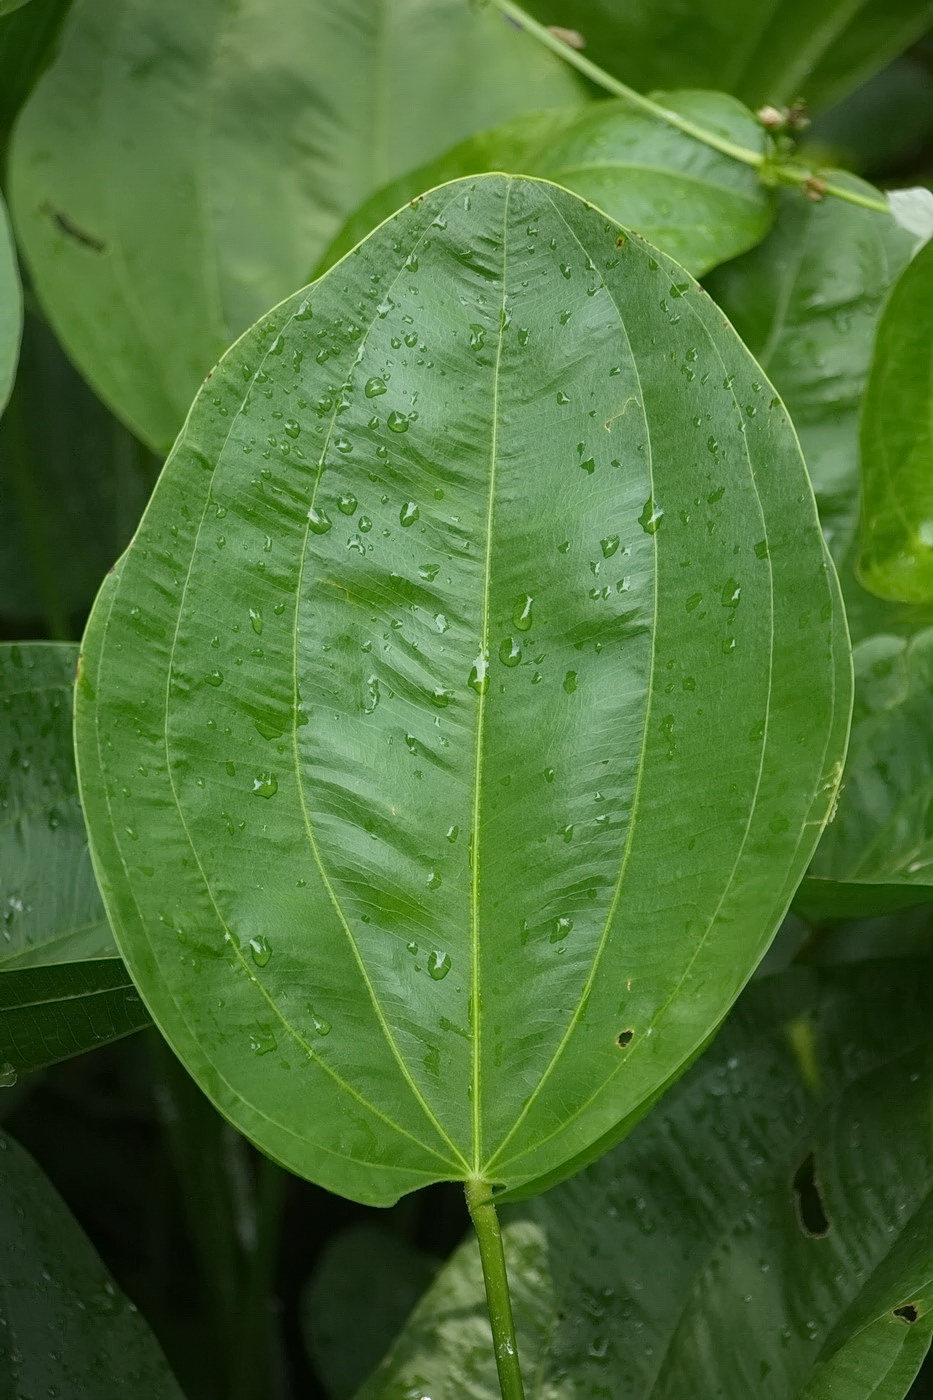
<point>261,1042</point>
<point>319,1025</point>
<point>510,652</point>
<point>452,833</point>
<point>8,1075</point>
<point>441,697</point>
<point>478,679</point>
<point>731,594</point>
<point>374,387</point>
<point>428,572</point>
<point>522,613</point>
<point>589,466</point>
<point>609,546</point>
<point>441,623</point>
<point>651,517</point>
<point>397,422</point>
<point>434,881</point>
<point>364,524</point>
<point>255,618</point>
<point>347,503</point>
<point>259,950</point>
<point>570,682</point>
<point>438,965</point>
<point>215,678</point>
<point>562,927</point>
<point>408,514</point>
<point>319,521</point>
<point>292,427</point>
<point>477,337</point>
<point>265,785</point>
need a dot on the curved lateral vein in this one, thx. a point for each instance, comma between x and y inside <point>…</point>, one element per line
<point>636,795</point>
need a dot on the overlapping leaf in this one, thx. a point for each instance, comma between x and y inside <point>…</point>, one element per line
<point>767,1231</point>
<point>67,1328</point>
<point>181,167</point>
<point>73,484</point>
<point>699,206</point>
<point>877,853</point>
<point>896,555</point>
<point>806,303</point>
<point>11,309</point>
<point>761,53</point>
<point>440,734</point>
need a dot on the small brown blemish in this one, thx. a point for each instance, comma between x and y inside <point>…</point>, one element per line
<point>70,229</point>
<point>907,1312</point>
<point>624,1038</point>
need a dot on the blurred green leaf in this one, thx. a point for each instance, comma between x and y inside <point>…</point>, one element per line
<point>67,1329</point>
<point>767,1231</point>
<point>698,206</point>
<point>364,1285</point>
<point>8,6</point>
<point>180,167</point>
<point>896,542</point>
<point>806,302</point>
<point>877,853</point>
<point>422,647</point>
<point>882,126</point>
<point>11,309</point>
<point>51,910</point>
<point>26,40</point>
<point>51,1013</point>
<point>73,484</point>
<point>760,52</point>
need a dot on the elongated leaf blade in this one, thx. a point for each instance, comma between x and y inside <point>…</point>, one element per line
<point>877,854</point>
<point>786,1182</point>
<point>699,206</point>
<point>51,1013</point>
<point>458,655</point>
<point>11,309</point>
<point>896,557</point>
<point>68,1330</point>
<point>761,53</point>
<point>52,912</point>
<point>239,137</point>
<point>807,303</point>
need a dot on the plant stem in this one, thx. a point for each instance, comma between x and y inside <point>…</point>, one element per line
<point>498,1299</point>
<point>772,170</point>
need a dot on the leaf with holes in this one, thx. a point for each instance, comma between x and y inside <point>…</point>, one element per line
<point>691,202</point>
<point>181,167</point>
<point>68,1329</point>
<point>896,546</point>
<point>442,724</point>
<point>786,1182</point>
<point>11,309</point>
<point>877,854</point>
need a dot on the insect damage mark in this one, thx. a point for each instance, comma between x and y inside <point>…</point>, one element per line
<point>907,1312</point>
<point>808,1200</point>
<point>624,1038</point>
<point>70,229</point>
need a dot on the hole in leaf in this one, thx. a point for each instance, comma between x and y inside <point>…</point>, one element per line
<point>907,1311</point>
<point>623,1038</point>
<point>808,1200</point>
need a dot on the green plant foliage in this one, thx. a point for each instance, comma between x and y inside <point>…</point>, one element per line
<point>80,457</point>
<point>50,1013</point>
<point>349,1295</point>
<point>67,1329</point>
<point>877,853</point>
<point>807,302</point>
<point>8,6</point>
<point>11,309</point>
<point>766,1232</point>
<point>25,43</point>
<point>896,558</point>
<point>761,53</point>
<point>450,618</point>
<point>43,920</point>
<point>693,203</point>
<point>239,138</point>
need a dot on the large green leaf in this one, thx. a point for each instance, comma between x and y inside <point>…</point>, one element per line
<point>67,1328</point>
<point>877,853</point>
<point>11,309</point>
<point>181,166</point>
<point>26,40</point>
<point>761,52</point>
<point>806,303</point>
<point>691,202</point>
<point>896,558</point>
<point>51,910</point>
<point>73,484</point>
<point>768,1231</point>
<point>50,1013</point>
<point>8,6</point>
<point>448,699</point>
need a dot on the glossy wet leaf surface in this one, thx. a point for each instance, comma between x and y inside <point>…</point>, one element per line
<point>896,546</point>
<point>688,200</point>
<point>878,851</point>
<point>53,1012</point>
<point>761,53</point>
<point>807,303</point>
<point>238,138</point>
<point>442,724</point>
<point>67,1328</point>
<point>11,309</point>
<point>50,910</point>
<point>767,1230</point>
